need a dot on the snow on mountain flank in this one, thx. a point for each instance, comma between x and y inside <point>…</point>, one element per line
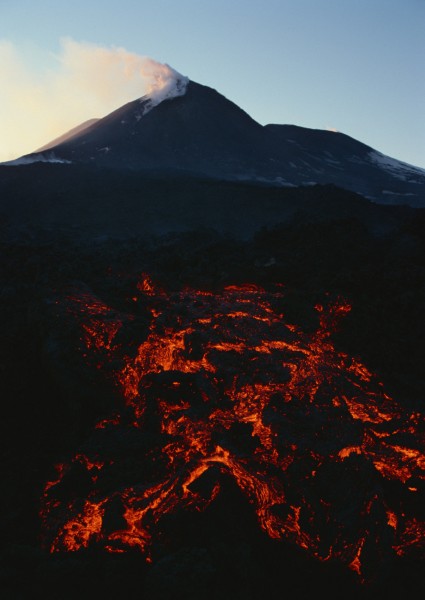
<point>27,160</point>
<point>397,168</point>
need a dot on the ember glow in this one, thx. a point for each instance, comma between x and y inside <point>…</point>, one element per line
<point>219,384</point>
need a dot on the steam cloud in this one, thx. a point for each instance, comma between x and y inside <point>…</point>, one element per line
<point>87,81</point>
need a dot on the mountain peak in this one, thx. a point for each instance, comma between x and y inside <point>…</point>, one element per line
<point>181,126</point>
<point>166,84</point>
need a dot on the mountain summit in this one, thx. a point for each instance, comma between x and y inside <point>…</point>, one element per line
<point>200,132</point>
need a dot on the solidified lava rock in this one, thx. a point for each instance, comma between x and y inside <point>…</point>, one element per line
<point>353,467</point>
<point>221,386</point>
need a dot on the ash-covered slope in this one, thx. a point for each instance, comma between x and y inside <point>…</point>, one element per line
<point>202,133</point>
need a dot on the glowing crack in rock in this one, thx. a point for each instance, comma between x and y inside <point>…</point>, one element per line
<point>221,383</point>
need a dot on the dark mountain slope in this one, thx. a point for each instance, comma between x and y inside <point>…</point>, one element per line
<point>82,202</point>
<point>203,133</point>
<point>328,156</point>
<point>200,132</point>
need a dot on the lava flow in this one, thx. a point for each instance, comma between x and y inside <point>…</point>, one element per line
<point>219,384</point>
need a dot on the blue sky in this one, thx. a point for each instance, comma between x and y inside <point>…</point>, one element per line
<point>357,66</point>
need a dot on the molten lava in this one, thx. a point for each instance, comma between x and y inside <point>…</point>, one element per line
<point>220,383</point>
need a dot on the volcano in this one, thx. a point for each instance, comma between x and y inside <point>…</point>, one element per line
<point>202,133</point>
<point>211,361</point>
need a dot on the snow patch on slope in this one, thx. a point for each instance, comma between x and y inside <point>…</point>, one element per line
<point>397,168</point>
<point>36,158</point>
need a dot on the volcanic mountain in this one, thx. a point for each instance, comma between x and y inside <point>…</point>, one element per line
<point>212,374</point>
<point>202,133</point>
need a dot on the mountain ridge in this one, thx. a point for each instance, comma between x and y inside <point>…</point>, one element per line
<point>203,133</point>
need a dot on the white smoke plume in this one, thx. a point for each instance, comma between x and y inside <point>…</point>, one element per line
<point>165,82</point>
<point>86,81</point>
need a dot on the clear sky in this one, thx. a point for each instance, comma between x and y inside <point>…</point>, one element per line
<point>357,66</point>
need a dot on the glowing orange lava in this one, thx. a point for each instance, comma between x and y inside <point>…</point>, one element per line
<point>220,380</point>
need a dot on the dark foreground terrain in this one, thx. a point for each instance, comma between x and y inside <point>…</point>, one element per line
<point>78,298</point>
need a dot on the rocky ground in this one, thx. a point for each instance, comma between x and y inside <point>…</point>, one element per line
<point>51,398</point>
